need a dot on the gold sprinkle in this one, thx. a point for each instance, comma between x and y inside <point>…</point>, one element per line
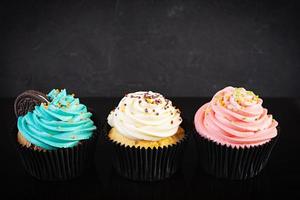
<point>149,100</point>
<point>122,108</point>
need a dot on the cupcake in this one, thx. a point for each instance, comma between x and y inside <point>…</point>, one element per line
<point>146,136</point>
<point>56,135</point>
<point>235,134</point>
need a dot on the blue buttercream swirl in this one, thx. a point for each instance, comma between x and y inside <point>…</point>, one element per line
<point>60,123</point>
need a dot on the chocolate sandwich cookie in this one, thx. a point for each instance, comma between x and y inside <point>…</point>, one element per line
<point>26,101</point>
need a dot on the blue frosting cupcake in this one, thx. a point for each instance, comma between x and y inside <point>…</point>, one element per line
<point>61,123</point>
<point>56,135</point>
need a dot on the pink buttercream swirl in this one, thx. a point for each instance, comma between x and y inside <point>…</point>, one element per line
<point>235,117</point>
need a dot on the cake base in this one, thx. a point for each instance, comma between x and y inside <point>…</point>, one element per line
<point>21,140</point>
<point>117,137</point>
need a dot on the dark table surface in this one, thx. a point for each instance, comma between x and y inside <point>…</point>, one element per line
<point>280,177</point>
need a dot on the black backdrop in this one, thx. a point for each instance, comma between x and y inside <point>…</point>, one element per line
<point>179,48</point>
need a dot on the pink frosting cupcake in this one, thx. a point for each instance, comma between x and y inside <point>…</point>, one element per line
<point>235,134</point>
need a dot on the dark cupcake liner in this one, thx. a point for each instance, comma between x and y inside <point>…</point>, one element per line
<point>57,165</point>
<point>141,164</point>
<point>233,163</point>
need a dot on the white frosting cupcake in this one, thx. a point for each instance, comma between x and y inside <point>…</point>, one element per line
<point>145,116</point>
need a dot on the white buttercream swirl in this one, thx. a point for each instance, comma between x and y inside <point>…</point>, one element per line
<point>145,116</point>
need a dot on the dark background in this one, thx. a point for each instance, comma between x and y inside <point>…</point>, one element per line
<point>178,48</point>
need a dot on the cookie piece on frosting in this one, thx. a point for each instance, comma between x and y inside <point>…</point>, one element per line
<point>26,101</point>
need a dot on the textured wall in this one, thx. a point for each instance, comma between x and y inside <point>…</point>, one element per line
<point>180,48</point>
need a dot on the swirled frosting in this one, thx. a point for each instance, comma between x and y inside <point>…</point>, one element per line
<point>145,116</point>
<point>235,117</point>
<point>61,123</point>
